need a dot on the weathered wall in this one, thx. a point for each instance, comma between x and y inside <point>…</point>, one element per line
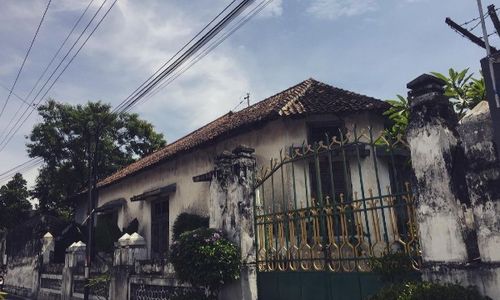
<point>483,179</point>
<point>457,182</point>
<point>267,140</point>
<point>22,276</point>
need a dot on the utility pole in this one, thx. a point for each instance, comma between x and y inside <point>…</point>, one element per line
<point>488,53</point>
<point>90,219</point>
<point>92,191</point>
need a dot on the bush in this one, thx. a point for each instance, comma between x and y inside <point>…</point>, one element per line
<point>187,222</point>
<point>205,259</point>
<point>427,291</point>
<point>394,267</point>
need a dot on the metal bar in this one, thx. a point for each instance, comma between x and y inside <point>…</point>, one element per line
<point>356,140</point>
<point>472,37</point>
<point>494,18</point>
<point>379,189</point>
<point>489,49</point>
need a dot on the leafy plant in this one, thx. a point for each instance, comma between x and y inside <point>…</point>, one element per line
<point>399,113</point>
<point>205,259</point>
<point>393,267</point>
<point>14,204</point>
<point>465,91</point>
<point>65,137</point>
<point>106,233</point>
<point>427,291</point>
<point>187,222</point>
<point>99,285</point>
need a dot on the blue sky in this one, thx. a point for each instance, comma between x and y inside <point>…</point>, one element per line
<point>373,47</point>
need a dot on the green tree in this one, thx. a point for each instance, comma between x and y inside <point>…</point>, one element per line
<point>67,135</point>
<point>14,204</point>
<point>399,113</point>
<point>464,90</point>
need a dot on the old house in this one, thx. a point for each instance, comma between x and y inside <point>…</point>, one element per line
<point>157,188</point>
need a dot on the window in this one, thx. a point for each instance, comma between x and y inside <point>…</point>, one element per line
<point>332,177</point>
<point>159,228</point>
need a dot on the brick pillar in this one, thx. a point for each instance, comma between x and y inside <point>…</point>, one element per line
<point>231,210</point>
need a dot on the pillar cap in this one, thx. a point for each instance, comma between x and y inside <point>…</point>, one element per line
<point>124,240</point>
<point>425,88</point>
<point>137,240</point>
<point>79,246</point>
<point>48,235</point>
<point>425,80</point>
<point>243,150</point>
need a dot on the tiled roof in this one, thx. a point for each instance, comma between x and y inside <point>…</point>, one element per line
<point>307,97</point>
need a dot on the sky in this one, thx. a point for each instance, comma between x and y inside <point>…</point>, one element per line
<point>372,47</point>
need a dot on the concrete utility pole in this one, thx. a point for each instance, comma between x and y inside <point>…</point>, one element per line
<point>488,53</point>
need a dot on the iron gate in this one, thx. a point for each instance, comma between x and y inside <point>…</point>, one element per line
<point>325,211</point>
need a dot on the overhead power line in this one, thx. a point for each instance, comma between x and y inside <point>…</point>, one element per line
<point>25,58</point>
<point>127,104</point>
<point>46,69</point>
<point>175,55</point>
<point>22,168</point>
<point>464,32</point>
<point>7,138</point>
<point>15,95</point>
<point>258,8</point>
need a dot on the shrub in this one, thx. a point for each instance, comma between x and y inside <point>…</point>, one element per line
<point>394,267</point>
<point>187,222</point>
<point>205,258</point>
<point>427,291</point>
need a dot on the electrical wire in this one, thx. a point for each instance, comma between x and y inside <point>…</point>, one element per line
<point>25,57</point>
<point>211,47</point>
<point>46,68</point>
<point>191,51</point>
<point>173,56</point>
<point>12,132</point>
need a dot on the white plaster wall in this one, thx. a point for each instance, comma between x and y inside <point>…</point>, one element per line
<point>267,140</point>
<point>22,274</point>
<point>191,196</point>
<point>440,216</point>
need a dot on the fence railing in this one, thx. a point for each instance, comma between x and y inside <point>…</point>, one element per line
<point>336,205</point>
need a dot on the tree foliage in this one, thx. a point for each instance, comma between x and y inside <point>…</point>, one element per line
<point>399,113</point>
<point>464,90</point>
<point>14,204</point>
<point>67,135</point>
<point>205,259</point>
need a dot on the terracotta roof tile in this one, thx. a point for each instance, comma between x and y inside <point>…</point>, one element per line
<point>309,96</point>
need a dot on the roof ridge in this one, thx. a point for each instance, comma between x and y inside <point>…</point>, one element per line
<point>307,96</point>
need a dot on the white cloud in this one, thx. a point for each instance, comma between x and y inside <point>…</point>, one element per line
<point>334,9</point>
<point>274,9</point>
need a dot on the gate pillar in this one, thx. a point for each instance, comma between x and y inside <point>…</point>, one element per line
<point>232,210</point>
<point>438,163</point>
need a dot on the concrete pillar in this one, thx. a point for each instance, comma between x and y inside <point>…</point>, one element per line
<point>128,250</point>
<point>438,162</point>
<point>448,203</point>
<point>48,245</point>
<point>231,210</point>
<point>75,255</point>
